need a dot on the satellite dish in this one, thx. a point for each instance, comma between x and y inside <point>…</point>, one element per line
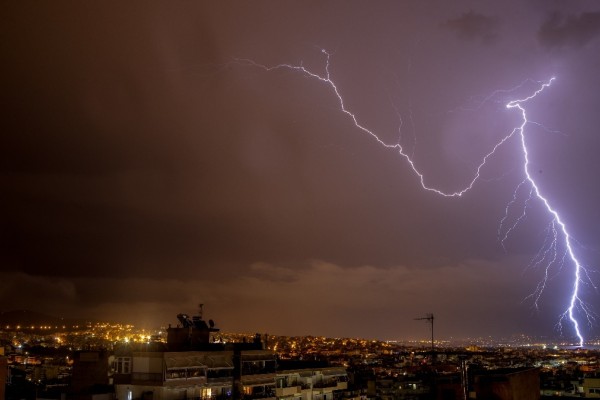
<point>211,323</point>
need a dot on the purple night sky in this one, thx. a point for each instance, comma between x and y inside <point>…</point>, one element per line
<point>144,170</point>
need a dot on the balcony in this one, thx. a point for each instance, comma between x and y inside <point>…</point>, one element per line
<point>219,381</point>
<point>219,376</point>
<point>146,378</point>
<point>287,391</point>
<point>336,384</point>
<point>325,384</point>
<point>260,395</point>
<point>255,370</point>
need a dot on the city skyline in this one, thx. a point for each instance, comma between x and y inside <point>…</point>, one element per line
<point>146,169</point>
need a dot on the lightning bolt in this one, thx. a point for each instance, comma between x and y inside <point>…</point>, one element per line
<point>549,254</point>
<point>558,228</point>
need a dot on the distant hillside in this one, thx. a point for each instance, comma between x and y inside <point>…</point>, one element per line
<point>28,318</point>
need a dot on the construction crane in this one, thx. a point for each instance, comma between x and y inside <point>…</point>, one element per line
<point>428,318</point>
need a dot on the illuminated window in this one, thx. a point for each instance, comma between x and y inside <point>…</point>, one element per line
<point>122,365</point>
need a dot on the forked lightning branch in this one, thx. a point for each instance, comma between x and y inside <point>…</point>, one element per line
<point>558,232</point>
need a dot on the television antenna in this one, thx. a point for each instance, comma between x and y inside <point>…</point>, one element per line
<point>428,318</point>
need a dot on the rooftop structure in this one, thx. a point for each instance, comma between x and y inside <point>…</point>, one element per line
<point>193,334</point>
<point>198,365</point>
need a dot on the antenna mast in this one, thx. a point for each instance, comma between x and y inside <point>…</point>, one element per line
<point>429,318</point>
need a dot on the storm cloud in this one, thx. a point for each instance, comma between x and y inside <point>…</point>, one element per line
<point>562,31</point>
<point>145,169</point>
<point>474,26</point>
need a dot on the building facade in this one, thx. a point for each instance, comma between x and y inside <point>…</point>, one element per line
<point>196,375</point>
<point>311,383</point>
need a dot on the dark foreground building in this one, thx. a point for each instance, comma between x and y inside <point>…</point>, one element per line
<point>508,384</point>
<point>195,364</point>
<point>477,384</point>
<point>3,376</point>
<point>499,384</point>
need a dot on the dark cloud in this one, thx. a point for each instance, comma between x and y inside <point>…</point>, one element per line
<point>474,26</point>
<point>569,30</point>
<point>368,301</point>
<point>140,168</point>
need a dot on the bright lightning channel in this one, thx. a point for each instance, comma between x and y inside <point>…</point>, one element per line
<point>557,224</point>
<point>558,227</point>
